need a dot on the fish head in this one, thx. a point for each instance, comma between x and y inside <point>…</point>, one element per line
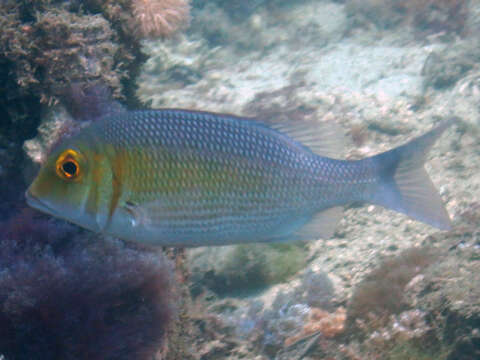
<point>63,186</point>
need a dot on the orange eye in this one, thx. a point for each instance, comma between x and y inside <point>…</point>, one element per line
<point>67,165</point>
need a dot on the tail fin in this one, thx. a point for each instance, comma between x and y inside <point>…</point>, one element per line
<point>405,185</point>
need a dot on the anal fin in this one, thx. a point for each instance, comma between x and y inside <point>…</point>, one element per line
<point>322,225</point>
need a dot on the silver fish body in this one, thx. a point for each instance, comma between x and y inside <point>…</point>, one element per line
<point>186,178</point>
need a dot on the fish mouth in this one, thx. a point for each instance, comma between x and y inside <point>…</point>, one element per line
<point>37,204</point>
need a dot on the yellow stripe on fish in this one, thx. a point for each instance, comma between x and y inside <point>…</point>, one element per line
<point>187,178</point>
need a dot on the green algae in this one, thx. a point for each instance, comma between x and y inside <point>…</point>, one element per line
<point>412,351</point>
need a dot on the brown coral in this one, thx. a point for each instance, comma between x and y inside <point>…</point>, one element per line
<point>321,321</point>
<point>159,18</point>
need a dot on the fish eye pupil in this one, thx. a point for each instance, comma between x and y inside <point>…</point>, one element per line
<point>70,168</point>
<point>67,166</point>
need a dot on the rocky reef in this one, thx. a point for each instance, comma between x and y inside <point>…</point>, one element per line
<point>382,71</point>
<point>426,17</point>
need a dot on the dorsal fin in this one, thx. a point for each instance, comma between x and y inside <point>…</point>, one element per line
<point>323,138</point>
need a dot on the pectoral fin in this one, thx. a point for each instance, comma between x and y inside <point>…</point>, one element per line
<point>138,216</point>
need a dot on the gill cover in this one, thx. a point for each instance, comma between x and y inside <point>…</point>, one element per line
<point>63,186</point>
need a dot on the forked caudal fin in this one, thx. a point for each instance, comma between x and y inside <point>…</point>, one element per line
<point>405,185</point>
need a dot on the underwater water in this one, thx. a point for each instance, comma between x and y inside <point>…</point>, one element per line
<point>381,73</point>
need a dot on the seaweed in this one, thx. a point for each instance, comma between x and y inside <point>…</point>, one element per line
<point>65,294</point>
<point>380,293</point>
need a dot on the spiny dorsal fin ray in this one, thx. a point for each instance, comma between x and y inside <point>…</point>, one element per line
<point>323,138</point>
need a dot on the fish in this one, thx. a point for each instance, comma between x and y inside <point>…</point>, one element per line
<point>183,178</point>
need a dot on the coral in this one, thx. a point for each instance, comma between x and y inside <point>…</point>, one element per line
<point>321,321</point>
<point>67,295</point>
<point>60,48</point>
<point>381,292</point>
<point>159,18</point>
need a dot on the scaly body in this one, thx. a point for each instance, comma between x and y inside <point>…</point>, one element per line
<point>184,178</point>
